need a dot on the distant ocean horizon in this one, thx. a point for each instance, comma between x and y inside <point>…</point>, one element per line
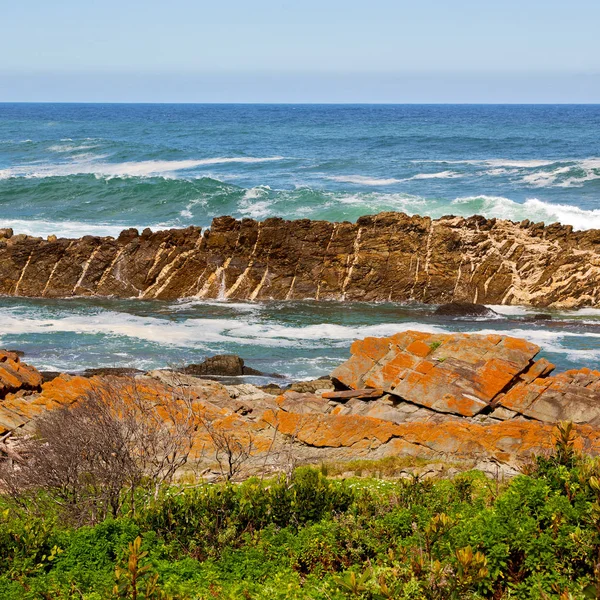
<point>77,169</point>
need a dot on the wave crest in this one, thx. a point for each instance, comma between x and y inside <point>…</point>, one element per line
<point>144,168</point>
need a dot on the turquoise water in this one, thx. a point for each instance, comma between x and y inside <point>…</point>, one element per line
<point>298,339</point>
<point>71,169</point>
<point>77,169</point>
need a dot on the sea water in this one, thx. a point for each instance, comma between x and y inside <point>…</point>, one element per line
<point>71,170</point>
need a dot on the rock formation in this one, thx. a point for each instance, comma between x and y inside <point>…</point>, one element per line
<point>463,399</point>
<point>15,375</point>
<point>470,374</point>
<point>223,365</point>
<point>390,256</point>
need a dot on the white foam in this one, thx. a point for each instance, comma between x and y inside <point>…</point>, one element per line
<point>522,164</point>
<point>532,209</point>
<point>145,168</point>
<point>257,210</point>
<point>187,213</point>
<point>584,312</point>
<point>62,148</point>
<point>187,303</point>
<point>545,178</point>
<point>441,175</point>
<point>67,229</point>
<point>581,170</point>
<point>255,203</point>
<point>363,180</point>
<point>495,162</point>
<point>374,181</point>
<point>196,333</point>
<point>510,311</point>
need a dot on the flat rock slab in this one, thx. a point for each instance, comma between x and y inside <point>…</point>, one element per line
<point>449,373</point>
<point>364,394</point>
<point>570,396</point>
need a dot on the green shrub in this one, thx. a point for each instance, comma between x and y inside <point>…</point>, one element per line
<point>536,537</point>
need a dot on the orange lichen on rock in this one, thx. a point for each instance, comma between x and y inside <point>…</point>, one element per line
<point>573,395</point>
<point>451,397</point>
<point>451,373</point>
<point>451,440</point>
<point>18,409</point>
<point>15,375</point>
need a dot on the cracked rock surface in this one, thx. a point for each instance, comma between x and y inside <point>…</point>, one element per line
<point>459,398</point>
<point>385,257</point>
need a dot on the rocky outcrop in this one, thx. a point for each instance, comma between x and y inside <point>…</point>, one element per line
<point>15,375</point>
<point>460,399</point>
<point>390,256</point>
<point>469,374</point>
<point>464,309</point>
<point>223,365</point>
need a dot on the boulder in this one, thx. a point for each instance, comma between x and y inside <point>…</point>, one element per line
<point>449,373</point>
<point>538,317</point>
<point>463,309</point>
<point>227,365</point>
<point>15,375</point>
<point>223,365</point>
<point>313,386</point>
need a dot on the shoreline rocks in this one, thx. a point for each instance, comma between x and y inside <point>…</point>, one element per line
<point>458,398</point>
<point>224,365</point>
<point>464,309</point>
<point>384,257</point>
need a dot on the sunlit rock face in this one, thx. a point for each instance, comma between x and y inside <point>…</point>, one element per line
<point>386,257</point>
<point>455,398</point>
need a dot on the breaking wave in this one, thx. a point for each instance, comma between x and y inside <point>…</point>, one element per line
<point>297,339</point>
<point>83,205</point>
<point>144,168</point>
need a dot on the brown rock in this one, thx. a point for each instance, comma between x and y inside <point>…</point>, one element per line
<point>463,309</point>
<point>222,365</point>
<point>311,386</point>
<point>390,256</point>
<point>366,393</point>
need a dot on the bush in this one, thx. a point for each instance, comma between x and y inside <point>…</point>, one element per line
<point>537,537</point>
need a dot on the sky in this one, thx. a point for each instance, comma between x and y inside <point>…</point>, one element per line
<point>301,51</point>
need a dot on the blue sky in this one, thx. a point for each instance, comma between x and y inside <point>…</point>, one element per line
<point>302,51</point>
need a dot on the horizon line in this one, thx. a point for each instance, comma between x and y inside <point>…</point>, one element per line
<point>314,103</point>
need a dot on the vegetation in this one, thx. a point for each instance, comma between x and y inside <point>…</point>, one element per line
<point>536,537</point>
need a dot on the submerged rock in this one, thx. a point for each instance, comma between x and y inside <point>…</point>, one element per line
<point>464,309</point>
<point>538,317</point>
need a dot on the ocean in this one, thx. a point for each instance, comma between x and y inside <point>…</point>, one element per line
<point>77,169</point>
